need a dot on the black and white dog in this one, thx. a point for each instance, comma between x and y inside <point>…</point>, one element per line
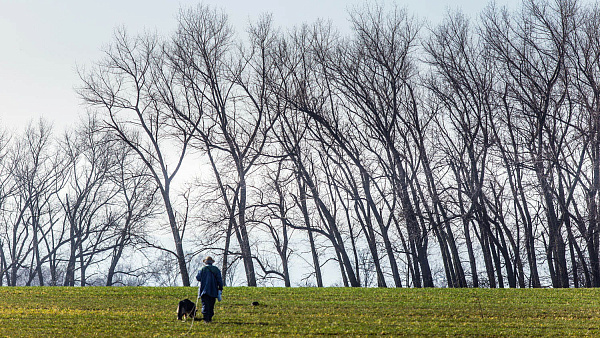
<point>186,309</point>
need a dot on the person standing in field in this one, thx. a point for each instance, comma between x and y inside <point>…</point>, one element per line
<point>211,284</point>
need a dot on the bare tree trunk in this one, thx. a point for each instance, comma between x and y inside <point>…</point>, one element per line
<point>556,245</point>
<point>364,218</point>
<point>36,252</point>
<point>3,267</point>
<point>466,222</point>
<point>183,270</point>
<point>116,256</point>
<point>384,230</point>
<point>416,236</point>
<point>307,222</point>
<point>335,237</point>
<point>82,266</point>
<point>245,244</point>
<point>225,265</point>
<point>472,261</point>
<point>70,270</point>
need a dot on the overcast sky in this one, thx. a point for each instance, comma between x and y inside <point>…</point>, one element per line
<point>42,42</point>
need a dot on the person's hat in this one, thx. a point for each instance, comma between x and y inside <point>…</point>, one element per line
<point>208,260</point>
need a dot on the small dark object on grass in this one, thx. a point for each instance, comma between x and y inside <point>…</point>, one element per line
<point>255,304</point>
<point>186,309</point>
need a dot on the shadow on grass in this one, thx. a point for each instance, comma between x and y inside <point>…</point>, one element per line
<point>229,323</point>
<point>241,323</point>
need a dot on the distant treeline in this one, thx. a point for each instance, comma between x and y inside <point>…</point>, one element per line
<point>466,154</point>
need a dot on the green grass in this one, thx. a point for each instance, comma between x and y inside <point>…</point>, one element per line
<point>150,312</point>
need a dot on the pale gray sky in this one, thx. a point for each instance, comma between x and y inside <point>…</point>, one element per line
<point>42,41</point>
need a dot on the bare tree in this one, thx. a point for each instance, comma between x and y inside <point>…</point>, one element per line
<point>276,217</point>
<point>585,64</point>
<point>373,73</point>
<point>5,176</point>
<point>531,50</point>
<point>135,90</point>
<point>16,237</point>
<point>135,205</point>
<point>44,177</point>
<point>34,174</point>
<point>87,198</point>
<point>231,89</point>
<point>298,85</point>
<point>463,82</point>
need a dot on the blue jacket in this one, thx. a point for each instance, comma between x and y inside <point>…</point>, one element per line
<point>210,280</point>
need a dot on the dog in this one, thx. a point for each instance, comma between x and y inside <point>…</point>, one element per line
<point>186,309</point>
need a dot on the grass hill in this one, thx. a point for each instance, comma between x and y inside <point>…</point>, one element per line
<point>151,312</point>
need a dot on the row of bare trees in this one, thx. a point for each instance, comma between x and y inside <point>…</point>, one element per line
<point>398,155</point>
<point>69,205</point>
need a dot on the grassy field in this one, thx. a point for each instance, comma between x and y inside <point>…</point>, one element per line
<point>151,312</point>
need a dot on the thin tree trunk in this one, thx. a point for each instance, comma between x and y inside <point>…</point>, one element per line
<point>336,238</point>
<point>245,244</point>
<point>183,270</point>
<point>307,222</point>
<point>417,240</point>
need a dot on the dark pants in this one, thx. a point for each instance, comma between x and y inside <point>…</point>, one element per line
<point>208,307</point>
